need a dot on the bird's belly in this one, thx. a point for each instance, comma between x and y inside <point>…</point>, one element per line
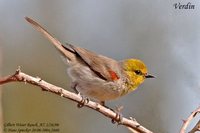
<point>89,84</point>
<point>99,91</point>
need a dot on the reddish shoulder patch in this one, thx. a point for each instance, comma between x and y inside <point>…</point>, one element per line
<point>113,75</point>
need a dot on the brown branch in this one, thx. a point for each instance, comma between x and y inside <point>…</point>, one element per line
<point>196,128</point>
<point>189,119</point>
<point>19,76</point>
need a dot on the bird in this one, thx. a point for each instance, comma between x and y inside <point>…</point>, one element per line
<point>96,76</point>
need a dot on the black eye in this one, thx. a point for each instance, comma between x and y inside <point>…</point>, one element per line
<point>138,72</point>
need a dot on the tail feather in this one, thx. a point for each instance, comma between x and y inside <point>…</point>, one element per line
<point>68,53</point>
<point>69,47</point>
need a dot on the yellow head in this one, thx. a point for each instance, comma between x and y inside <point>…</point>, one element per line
<point>136,71</point>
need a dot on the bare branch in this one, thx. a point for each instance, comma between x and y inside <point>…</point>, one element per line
<point>188,120</point>
<point>196,128</point>
<point>19,76</point>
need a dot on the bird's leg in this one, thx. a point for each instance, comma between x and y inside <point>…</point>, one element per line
<point>84,100</point>
<point>119,116</point>
<point>102,103</point>
<point>73,86</point>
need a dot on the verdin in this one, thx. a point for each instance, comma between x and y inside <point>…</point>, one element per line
<point>97,76</point>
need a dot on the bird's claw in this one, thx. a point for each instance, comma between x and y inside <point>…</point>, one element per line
<point>83,101</point>
<point>118,118</point>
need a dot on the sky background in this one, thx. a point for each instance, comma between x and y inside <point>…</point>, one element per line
<point>166,39</point>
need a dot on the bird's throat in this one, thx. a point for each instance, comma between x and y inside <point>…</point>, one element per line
<point>134,81</point>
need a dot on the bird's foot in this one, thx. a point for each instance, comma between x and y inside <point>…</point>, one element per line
<point>118,109</point>
<point>118,118</point>
<point>83,101</point>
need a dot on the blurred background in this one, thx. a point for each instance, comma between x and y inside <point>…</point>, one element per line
<point>165,38</point>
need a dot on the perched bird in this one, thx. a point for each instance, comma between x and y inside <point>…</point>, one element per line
<point>97,76</point>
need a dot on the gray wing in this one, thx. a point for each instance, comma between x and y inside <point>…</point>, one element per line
<point>106,68</point>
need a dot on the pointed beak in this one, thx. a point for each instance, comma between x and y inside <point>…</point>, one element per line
<point>149,76</point>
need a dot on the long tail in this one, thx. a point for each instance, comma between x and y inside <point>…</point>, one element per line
<point>67,53</point>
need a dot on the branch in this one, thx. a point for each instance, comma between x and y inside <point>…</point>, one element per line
<point>19,76</point>
<point>188,120</point>
<point>196,128</point>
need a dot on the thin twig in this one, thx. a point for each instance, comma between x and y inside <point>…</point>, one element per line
<point>19,76</point>
<point>196,128</point>
<point>189,119</point>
